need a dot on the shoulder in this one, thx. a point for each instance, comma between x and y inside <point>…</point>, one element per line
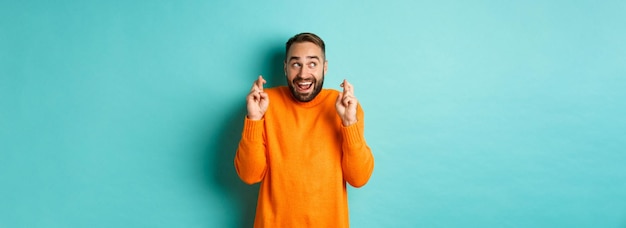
<point>328,96</point>
<point>333,91</point>
<point>330,92</point>
<point>276,91</point>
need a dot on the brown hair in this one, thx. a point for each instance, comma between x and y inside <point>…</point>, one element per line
<point>305,37</point>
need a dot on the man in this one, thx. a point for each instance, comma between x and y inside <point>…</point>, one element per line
<point>303,143</point>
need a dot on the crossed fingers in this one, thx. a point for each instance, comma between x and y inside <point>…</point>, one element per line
<point>258,85</point>
<point>348,93</point>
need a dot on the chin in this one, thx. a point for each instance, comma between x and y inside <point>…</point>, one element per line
<point>304,97</point>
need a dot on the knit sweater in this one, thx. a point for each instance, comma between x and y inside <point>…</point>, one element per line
<point>303,156</point>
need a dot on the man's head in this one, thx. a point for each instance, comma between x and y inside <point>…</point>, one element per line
<point>305,65</point>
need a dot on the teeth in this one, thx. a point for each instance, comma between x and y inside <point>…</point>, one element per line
<point>304,83</point>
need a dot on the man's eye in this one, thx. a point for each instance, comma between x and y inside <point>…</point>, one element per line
<point>312,65</point>
<point>296,65</point>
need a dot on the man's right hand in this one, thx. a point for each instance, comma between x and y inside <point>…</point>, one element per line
<point>257,100</point>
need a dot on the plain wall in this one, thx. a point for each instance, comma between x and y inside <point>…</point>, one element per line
<point>479,113</point>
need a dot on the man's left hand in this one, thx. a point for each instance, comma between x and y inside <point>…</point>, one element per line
<point>346,104</point>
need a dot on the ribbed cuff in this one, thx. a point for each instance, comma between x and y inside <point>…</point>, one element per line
<point>352,135</point>
<point>253,129</point>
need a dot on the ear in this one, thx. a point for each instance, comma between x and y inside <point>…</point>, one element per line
<point>285,67</point>
<point>325,66</point>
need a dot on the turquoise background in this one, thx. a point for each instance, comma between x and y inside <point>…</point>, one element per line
<point>479,113</point>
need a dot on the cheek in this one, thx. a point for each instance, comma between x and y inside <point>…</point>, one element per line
<point>292,71</point>
<point>291,75</point>
<point>320,73</point>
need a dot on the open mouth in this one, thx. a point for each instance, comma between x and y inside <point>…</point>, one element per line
<point>304,86</point>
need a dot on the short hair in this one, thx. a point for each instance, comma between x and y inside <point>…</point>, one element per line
<point>305,37</point>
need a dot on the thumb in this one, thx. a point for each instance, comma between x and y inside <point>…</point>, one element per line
<point>339,102</point>
<point>339,98</point>
<point>264,95</point>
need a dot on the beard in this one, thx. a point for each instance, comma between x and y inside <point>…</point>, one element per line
<point>306,97</point>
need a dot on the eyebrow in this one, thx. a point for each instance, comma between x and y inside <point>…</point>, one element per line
<point>308,57</point>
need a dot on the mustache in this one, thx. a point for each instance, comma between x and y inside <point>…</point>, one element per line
<point>300,79</point>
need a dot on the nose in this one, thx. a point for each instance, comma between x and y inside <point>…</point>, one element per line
<point>300,72</point>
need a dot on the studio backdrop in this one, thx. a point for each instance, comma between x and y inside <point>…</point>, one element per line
<point>478,113</point>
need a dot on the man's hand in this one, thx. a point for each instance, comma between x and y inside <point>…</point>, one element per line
<point>346,104</point>
<point>257,101</point>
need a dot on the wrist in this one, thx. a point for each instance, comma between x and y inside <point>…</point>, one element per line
<point>347,123</point>
<point>254,117</point>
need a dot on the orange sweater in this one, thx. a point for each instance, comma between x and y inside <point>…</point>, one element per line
<point>303,156</point>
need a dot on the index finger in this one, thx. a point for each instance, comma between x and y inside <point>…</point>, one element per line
<point>347,87</point>
<point>260,82</point>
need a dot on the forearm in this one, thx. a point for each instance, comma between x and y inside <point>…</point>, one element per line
<point>357,160</point>
<point>250,160</point>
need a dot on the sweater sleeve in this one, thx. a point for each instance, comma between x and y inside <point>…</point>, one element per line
<point>250,159</point>
<point>357,161</point>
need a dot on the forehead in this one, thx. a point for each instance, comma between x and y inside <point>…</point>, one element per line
<point>304,49</point>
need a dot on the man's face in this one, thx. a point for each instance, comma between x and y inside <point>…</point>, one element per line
<point>305,67</point>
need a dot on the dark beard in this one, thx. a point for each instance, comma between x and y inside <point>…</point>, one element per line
<point>307,97</point>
